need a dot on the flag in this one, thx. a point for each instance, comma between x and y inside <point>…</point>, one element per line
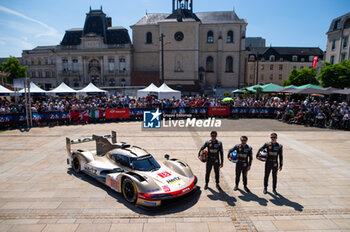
<point>314,62</point>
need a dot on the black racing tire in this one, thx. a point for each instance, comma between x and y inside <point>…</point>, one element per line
<point>129,190</point>
<point>76,165</point>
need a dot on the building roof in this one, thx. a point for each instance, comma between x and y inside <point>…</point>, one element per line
<point>204,17</point>
<point>306,51</point>
<point>341,22</point>
<point>96,24</point>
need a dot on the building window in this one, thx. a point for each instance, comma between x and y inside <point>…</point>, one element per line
<point>280,76</point>
<point>122,65</point>
<point>337,25</point>
<point>271,66</point>
<point>122,82</point>
<point>311,58</point>
<point>301,67</point>
<point>46,60</point>
<point>251,58</point>
<point>75,65</point>
<point>345,42</point>
<point>343,57</point>
<point>310,66</point>
<point>209,66</point>
<point>252,67</point>
<point>76,83</point>
<point>262,67</point>
<point>33,74</point>
<point>334,44</point>
<point>281,59</point>
<point>48,74</point>
<point>210,37</point>
<point>271,77</point>
<point>280,67</point>
<point>111,65</point>
<point>149,38</point>
<point>332,60</point>
<point>251,76</point>
<point>229,38</point>
<point>294,67</point>
<point>229,64</point>
<point>66,81</point>
<point>262,77</point>
<point>294,58</point>
<point>272,58</point>
<point>302,59</point>
<point>111,82</point>
<point>65,65</point>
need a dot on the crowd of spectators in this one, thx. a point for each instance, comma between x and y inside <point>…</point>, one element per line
<point>308,112</point>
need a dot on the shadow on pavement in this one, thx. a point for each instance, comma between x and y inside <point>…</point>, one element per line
<point>280,200</point>
<point>252,197</point>
<point>168,206</point>
<point>221,196</point>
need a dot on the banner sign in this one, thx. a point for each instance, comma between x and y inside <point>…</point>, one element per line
<point>117,113</point>
<point>314,63</point>
<point>57,116</point>
<point>219,111</point>
<point>6,119</point>
<point>79,116</point>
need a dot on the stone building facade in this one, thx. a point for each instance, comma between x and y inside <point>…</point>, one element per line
<point>97,53</point>
<point>199,51</point>
<point>274,64</point>
<point>338,48</point>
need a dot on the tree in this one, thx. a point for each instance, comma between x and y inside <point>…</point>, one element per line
<point>302,77</point>
<point>13,66</point>
<point>335,75</point>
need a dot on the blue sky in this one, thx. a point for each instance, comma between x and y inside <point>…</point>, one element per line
<point>26,24</point>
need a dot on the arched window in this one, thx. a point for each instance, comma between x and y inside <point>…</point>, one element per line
<point>209,66</point>
<point>210,37</point>
<point>148,37</point>
<point>229,64</point>
<point>76,83</point>
<point>111,82</point>
<point>229,38</point>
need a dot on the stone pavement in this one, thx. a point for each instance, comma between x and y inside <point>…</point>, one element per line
<point>38,192</point>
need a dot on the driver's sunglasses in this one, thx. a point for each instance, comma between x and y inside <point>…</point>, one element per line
<point>213,135</point>
<point>243,140</point>
<point>273,137</point>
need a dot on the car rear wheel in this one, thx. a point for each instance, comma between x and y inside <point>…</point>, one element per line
<point>129,190</point>
<point>76,165</point>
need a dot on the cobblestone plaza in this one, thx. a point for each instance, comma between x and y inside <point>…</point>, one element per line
<point>38,191</point>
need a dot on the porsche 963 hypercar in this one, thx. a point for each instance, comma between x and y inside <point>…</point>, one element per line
<point>131,170</point>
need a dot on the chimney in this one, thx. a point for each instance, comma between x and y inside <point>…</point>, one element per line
<point>109,21</point>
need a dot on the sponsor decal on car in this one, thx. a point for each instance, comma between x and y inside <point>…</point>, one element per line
<point>166,188</point>
<point>153,190</point>
<point>164,174</point>
<point>173,180</point>
<point>91,170</point>
<point>150,203</point>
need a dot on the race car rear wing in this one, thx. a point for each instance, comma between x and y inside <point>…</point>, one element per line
<point>101,142</point>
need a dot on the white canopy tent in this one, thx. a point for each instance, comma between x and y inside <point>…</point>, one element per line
<point>34,89</point>
<point>62,89</point>
<point>91,89</point>
<point>168,93</point>
<point>151,89</point>
<point>5,91</point>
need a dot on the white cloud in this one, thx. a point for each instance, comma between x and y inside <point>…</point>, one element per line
<point>17,42</point>
<point>47,30</point>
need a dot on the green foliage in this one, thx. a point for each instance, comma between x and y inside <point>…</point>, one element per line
<point>302,77</point>
<point>335,75</point>
<point>258,91</point>
<point>227,94</point>
<point>13,66</point>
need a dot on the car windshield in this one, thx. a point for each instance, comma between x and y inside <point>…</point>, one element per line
<point>145,163</point>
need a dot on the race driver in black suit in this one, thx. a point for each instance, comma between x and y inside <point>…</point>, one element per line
<point>215,159</point>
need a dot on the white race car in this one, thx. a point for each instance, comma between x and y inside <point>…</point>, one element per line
<point>132,171</point>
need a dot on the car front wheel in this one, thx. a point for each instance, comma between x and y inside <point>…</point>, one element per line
<point>129,190</point>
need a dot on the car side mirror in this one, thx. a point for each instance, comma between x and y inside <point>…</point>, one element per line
<point>166,156</point>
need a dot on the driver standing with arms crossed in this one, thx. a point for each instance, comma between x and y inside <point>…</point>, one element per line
<point>215,158</point>
<point>274,151</point>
